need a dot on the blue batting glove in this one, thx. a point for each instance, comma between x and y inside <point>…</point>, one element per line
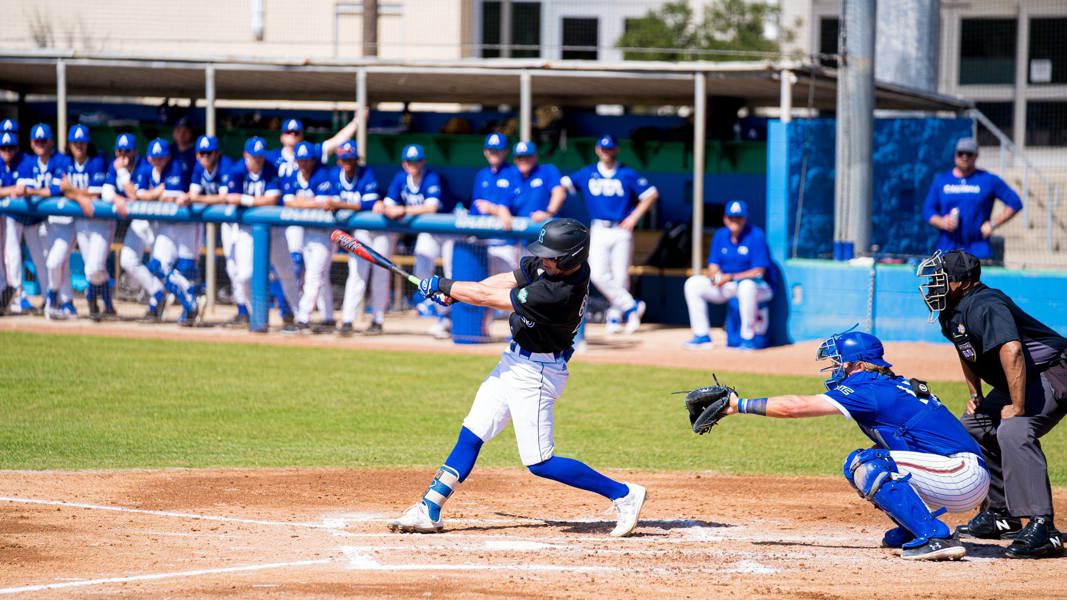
<point>430,286</point>
<point>442,299</point>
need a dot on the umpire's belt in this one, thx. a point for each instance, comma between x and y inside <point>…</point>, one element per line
<point>541,356</point>
<point>604,222</point>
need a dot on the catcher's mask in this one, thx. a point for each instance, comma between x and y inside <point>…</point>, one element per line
<point>846,347</point>
<point>935,286</point>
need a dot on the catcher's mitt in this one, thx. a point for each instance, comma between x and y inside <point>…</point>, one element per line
<point>706,406</point>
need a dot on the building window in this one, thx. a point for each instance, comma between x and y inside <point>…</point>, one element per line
<point>1046,123</point>
<point>580,38</point>
<point>1048,52</point>
<point>1002,114</point>
<point>525,29</point>
<point>987,51</point>
<point>829,29</point>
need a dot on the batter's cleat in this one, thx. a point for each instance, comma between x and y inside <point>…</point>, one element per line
<point>699,342</point>
<point>374,329</point>
<point>897,537</point>
<point>1039,539</point>
<point>346,330</point>
<point>992,525</point>
<point>633,317</point>
<point>416,520</point>
<point>936,549</point>
<point>238,321</point>
<point>627,509</point>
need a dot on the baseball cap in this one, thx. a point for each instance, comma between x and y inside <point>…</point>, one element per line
<point>736,208</point>
<point>967,144</point>
<point>184,122</point>
<point>304,151</point>
<point>961,266</point>
<point>607,141</point>
<point>78,134</point>
<point>41,131</point>
<point>158,148</point>
<point>125,141</point>
<point>496,141</point>
<point>9,125</point>
<point>207,143</point>
<point>413,153</point>
<point>348,150</point>
<point>8,139</point>
<point>256,146</point>
<point>525,149</point>
<point>292,125</point>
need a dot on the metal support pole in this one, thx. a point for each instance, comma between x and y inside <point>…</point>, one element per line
<point>525,105</point>
<point>260,317</point>
<point>700,100</point>
<point>361,113</point>
<point>210,229</point>
<point>1026,193</point>
<point>505,29</point>
<point>786,96</point>
<point>61,105</point>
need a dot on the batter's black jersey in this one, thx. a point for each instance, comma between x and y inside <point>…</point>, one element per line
<point>548,310</point>
<point>984,320</point>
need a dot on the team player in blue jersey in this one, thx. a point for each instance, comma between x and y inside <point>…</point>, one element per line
<point>356,188</point>
<point>617,197</point>
<point>83,182</point>
<point>536,189</point>
<point>208,173</point>
<point>120,187</point>
<point>960,204</point>
<point>48,170</point>
<point>923,462</point>
<point>16,176</point>
<point>738,262</point>
<point>491,195</point>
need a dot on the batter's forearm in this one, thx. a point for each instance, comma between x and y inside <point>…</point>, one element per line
<point>479,294</point>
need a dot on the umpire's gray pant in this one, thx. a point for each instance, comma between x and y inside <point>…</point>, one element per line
<point>1018,471</point>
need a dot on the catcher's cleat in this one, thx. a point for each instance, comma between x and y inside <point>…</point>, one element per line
<point>897,537</point>
<point>991,525</point>
<point>628,509</point>
<point>416,520</point>
<point>1039,539</point>
<point>936,549</point>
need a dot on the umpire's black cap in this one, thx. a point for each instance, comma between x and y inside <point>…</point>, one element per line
<point>962,266</point>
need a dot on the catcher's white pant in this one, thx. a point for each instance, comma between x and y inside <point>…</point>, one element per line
<point>610,254</point>
<point>699,290</point>
<point>94,241</point>
<point>228,232</point>
<point>279,259</point>
<point>524,390</point>
<point>957,482</point>
<point>360,270</point>
<point>36,237</point>
<point>318,256</point>
<point>140,237</point>
<point>58,247</point>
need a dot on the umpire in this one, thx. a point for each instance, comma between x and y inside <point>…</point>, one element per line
<point>1025,364</point>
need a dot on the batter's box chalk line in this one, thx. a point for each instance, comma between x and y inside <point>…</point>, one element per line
<point>359,560</point>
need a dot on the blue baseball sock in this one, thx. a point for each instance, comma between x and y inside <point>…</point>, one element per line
<point>156,300</point>
<point>242,310</point>
<point>577,474</point>
<point>105,295</point>
<point>90,294</point>
<point>464,453</point>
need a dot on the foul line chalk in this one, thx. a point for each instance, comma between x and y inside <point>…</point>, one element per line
<point>359,561</point>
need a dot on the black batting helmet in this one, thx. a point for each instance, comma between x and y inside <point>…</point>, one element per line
<point>565,240</point>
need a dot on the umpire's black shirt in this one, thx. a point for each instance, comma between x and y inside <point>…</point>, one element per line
<point>984,320</point>
<point>548,310</point>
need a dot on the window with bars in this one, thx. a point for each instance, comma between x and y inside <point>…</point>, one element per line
<point>580,38</point>
<point>525,29</point>
<point>987,51</point>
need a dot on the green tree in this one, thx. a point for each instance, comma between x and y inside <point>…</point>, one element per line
<point>727,30</point>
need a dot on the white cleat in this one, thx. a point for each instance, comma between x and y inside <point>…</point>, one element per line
<point>627,509</point>
<point>416,520</point>
<point>612,326</point>
<point>633,317</point>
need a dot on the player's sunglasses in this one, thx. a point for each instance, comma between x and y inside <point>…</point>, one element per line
<point>204,153</point>
<point>967,154</point>
<point>293,132</point>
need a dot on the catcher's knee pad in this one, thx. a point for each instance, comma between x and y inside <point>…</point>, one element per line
<point>866,470</point>
<point>871,473</point>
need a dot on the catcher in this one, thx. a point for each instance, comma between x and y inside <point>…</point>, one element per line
<point>923,459</point>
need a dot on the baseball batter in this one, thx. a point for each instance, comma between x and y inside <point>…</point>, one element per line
<point>617,197</point>
<point>83,182</point>
<point>548,294</point>
<point>58,232</point>
<point>923,463</point>
<point>16,176</point>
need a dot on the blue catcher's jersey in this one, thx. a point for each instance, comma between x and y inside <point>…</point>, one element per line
<point>894,417</point>
<point>285,164</point>
<point>316,186</point>
<point>363,190</point>
<point>611,196</point>
<point>239,181</point>
<point>89,175</point>
<point>175,179</point>
<point>494,186</point>
<point>111,180</point>
<point>207,183</point>
<point>403,191</point>
<point>973,197</point>
<point>533,193</point>
<point>749,252</point>
<point>20,173</point>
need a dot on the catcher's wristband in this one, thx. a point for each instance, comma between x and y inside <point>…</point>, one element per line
<point>752,406</point>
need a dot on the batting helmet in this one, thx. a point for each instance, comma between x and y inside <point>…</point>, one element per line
<point>565,240</point>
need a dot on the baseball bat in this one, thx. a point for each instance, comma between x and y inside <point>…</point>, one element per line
<point>351,244</point>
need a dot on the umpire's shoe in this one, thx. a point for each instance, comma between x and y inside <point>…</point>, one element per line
<point>935,549</point>
<point>627,509</point>
<point>992,525</point>
<point>416,520</point>
<point>1039,539</point>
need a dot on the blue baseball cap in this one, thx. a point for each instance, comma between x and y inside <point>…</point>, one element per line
<point>158,148</point>
<point>256,146</point>
<point>413,153</point>
<point>496,141</point>
<point>41,131</point>
<point>125,141</point>
<point>525,149</point>
<point>9,125</point>
<point>304,151</point>
<point>736,208</point>
<point>8,139</point>
<point>207,143</point>
<point>78,134</point>
<point>607,141</point>
<point>347,151</point>
<point>292,125</point>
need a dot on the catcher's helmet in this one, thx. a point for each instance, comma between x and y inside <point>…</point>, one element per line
<point>847,347</point>
<point>565,240</point>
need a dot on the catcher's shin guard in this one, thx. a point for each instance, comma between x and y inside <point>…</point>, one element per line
<point>442,487</point>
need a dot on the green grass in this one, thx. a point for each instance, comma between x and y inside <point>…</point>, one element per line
<point>75,402</point>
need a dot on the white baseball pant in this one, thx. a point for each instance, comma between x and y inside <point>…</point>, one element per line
<point>229,232</point>
<point>957,482</point>
<point>36,237</point>
<point>94,241</point>
<point>503,258</point>
<point>318,256</point>
<point>295,241</point>
<point>279,259</point>
<point>140,237</point>
<point>360,270</point>
<point>699,290</point>
<point>58,247</point>
<point>610,254</point>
